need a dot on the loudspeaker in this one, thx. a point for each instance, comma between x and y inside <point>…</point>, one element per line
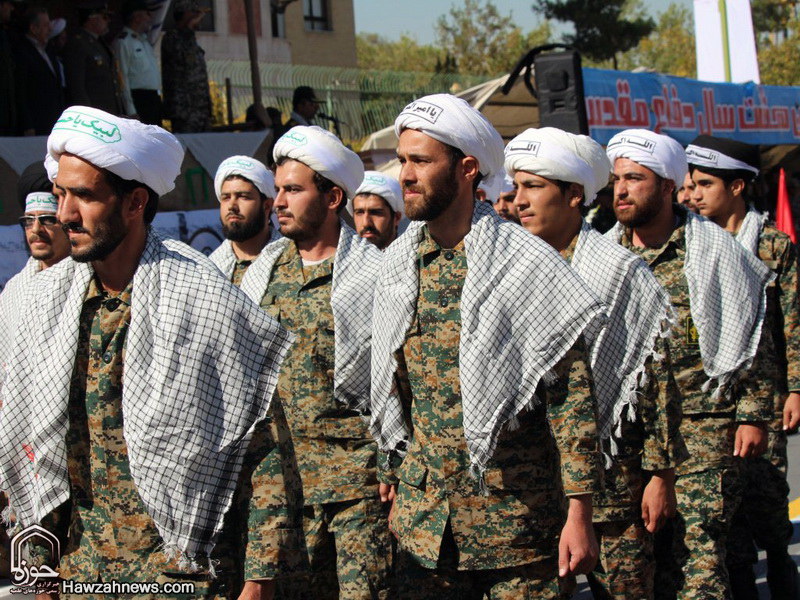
<point>559,85</point>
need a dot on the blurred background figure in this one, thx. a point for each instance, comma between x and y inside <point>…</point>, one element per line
<point>304,107</point>
<point>504,203</point>
<point>138,64</point>
<point>187,101</point>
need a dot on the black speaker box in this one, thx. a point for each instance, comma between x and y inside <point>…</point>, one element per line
<point>559,85</point>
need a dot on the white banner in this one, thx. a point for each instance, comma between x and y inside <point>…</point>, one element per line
<point>724,41</point>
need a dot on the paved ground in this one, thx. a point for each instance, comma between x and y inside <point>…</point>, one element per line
<point>583,591</point>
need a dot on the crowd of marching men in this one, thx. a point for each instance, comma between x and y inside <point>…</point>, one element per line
<point>488,405</point>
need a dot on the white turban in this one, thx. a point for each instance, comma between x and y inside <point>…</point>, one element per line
<point>508,184</point>
<point>558,155</point>
<point>324,153</point>
<point>659,153</point>
<point>381,185</point>
<point>41,202</point>
<point>130,149</point>
<point>454,122</point>
<point>51,166</point>
<point>251,169</point>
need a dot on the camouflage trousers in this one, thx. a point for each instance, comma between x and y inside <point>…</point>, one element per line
<point>537,580</point>
<point>626,567</point>
<point>690,550</point>
<point>349,550</point>
<point>762,521</point>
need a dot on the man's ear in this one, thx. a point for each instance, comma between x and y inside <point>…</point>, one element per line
<point>138,202</point>
<point>575,194</point>
<point>737,187</point>
<point>336,197</point>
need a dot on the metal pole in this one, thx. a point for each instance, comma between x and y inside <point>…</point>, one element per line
<point>229,100</point>
<point>255,76</point>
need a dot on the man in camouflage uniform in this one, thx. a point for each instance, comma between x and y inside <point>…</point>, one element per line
<point>107,531</point>
<point>318,282</point>
<point>246,190</point>
<point>484,521</point>
<point>90,67</point>
<point>718,425</point>
<point>720,170</point>
<point>187,100</point>
<point>638,400</point>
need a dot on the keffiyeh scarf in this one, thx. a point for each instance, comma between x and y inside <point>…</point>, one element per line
<point>727,291</point>
<point>639,312</point>
<point>356,265</point>
<point>12,307</point>
<point>201,366</point>
<point>522,309</point>
<point>225,259</point>
<point>750,231</point>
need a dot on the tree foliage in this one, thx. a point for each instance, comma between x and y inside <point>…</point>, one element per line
<point>669,49</point>
<point>376,52</point>
<point>603,28</point>
<point>779,62</point>
<point>482,41</point>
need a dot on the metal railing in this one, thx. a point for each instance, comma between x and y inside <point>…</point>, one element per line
<point>363,100</point>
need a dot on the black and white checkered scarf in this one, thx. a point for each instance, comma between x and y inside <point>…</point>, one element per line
<point>225,258</point>
<point>201,365</point>
<point>750,231</point>
<point>356,265</point>
<point>727,297</point>
<point>11,307</point>
<point>639,312</point>
<point>522,309</point>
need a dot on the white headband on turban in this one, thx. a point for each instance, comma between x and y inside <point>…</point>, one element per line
<point>706,157</point>
<point>51,166</point>
<point>324,153</point>
<point>381,185</point>
<point>454,122</point>
<point>251,169</point>
<point>555,154</point>
<point>130,149</point>
<point>659,153</point>
<point>41,202</point>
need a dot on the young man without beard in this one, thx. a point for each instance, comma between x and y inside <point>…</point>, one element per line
<point>132,400</point>
<point>377,208</point>
<point>318,282</point>
<point>638,401</point>
<point>246,190</point>
<point>480,381</point>
<point>720,170</point>
<point>717,292</point>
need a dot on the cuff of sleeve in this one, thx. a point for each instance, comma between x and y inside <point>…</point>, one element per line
<point>754,410</point>
<point>282,555</point>
<point>581,473</point>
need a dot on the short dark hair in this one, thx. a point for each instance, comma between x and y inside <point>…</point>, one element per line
<point>457,155</point>
<point>121,186</point>
<point>727,175</point>
<point>243,178</point>
<point>322,183</point>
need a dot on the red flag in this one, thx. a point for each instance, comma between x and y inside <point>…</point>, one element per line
<point>783,212</point>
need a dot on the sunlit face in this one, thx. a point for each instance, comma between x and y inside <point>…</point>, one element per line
<point>241,210</point>
<point>505,207</point>
<point>300,207</point>
<point>375,220</point>
<point>542,207</point>
<point>638,193</point>
<point>46,240</point>
<point>90,213</point>
<point>685,193</point>
<point>712,197</point>
<point>427,175</point>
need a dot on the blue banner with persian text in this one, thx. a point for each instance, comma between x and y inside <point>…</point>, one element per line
<point>684,108</point>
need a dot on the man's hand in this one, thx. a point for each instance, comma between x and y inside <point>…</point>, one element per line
<point>658,500</point>
<point>388,493</point>
<point>791,412</point>
<point>577,549</point>
<point>751,441</point>
<point>262,589</point>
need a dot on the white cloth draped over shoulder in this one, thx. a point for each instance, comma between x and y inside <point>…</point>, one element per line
<point>356,265</point>
<point>750,231</point>
<point>639,312</point>
<point>727,297</point>
<point>225,259</point>
<point>522,309</point>
<point>201,365</point>
<point>12,308</point>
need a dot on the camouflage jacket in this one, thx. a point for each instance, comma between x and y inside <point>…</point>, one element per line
<point>651,442</point>
<point>185,79</point>
<point>535,465</point>
<point>709,424</point>
<point>108,531</point>
<point>335,453</point>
